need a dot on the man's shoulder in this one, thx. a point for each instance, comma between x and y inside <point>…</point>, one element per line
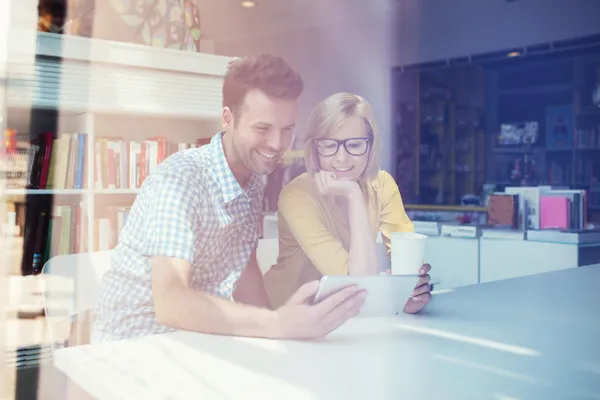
<point>192,166</point>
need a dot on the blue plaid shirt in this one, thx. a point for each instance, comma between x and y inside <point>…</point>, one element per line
<point>191,207</point>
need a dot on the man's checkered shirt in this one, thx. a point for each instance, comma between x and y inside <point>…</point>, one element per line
<point>191,207</point>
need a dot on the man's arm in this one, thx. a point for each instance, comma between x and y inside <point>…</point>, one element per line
<point>173,229</point>
<point>250,288</point>
<point>179,306</point>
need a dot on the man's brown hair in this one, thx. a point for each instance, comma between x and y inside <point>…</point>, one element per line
<point>267,73</point>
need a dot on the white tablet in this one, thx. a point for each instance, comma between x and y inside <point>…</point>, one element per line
<point>386,294</point>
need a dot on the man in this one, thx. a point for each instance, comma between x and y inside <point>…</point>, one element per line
<point>193,229</point>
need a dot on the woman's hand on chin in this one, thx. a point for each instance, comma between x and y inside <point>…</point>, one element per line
<point>329,185</point>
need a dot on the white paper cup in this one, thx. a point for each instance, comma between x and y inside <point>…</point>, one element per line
<point>408,252</point>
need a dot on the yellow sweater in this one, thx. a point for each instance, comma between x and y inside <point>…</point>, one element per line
<point>314,234</point>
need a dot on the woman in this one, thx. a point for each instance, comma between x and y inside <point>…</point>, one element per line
<point>329,217</point>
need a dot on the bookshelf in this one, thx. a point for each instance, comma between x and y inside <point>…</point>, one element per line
<point>439,134</point>
<point>106,102</point>
<point>459,126</point>
<point>556,94</point>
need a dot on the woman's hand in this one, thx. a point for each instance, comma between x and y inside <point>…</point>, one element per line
<point>329,185</point>
<point>421,296</point>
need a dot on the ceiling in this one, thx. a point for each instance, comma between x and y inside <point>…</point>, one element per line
<point>227,20</point>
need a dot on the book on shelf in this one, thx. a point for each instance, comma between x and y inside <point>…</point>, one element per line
<point>51,231</point>
<point>125,164</point>
<point>503,210</point>
<point>47,162</point>
<point>529,204</point>
<point>14,158</point>
<point>540,207</point>
<point>563,209</point>
<point>108,226</point>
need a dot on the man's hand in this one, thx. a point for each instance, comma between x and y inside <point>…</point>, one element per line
<point>421,296</point>
<point>299,319</point>
<point>329,185</point>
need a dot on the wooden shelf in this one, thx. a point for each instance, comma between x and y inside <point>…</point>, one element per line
<point>430,207</point>
<point>23,192</point>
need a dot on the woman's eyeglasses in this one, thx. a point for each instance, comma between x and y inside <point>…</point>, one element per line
<point>353,146</point>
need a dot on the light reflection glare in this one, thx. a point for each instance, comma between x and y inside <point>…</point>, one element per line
<point>486,368</point>
<point>504,397</point>
<point>442,291</point>
<point>270,345</point>
<point>523,351</point>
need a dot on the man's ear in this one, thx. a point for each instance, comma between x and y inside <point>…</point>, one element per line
<point>227,119</point>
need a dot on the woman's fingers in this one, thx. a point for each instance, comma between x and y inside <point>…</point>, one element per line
<point>425,269</point>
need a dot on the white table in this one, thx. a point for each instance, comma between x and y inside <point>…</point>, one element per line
<point>533,337</point>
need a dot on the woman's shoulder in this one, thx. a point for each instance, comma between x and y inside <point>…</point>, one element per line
<point>301,186</point>
<point>384,182</point>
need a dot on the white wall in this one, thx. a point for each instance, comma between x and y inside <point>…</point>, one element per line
<point>358,55</point>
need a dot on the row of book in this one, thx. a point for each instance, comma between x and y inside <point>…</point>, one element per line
<point>108,226</point>
<point>47,162</point>
<point>52,161</point>
<point>587,170</point>
<point>538,208</point>
<point>125,164</point>
<point>49,231</point>
<point>588,138</point>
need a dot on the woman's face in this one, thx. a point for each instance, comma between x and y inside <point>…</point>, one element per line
<point>346,151</point>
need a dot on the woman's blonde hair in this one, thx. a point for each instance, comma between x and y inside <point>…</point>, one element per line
<point>328,116</point>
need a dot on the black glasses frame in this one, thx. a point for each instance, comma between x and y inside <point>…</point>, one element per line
<point>343,142</point>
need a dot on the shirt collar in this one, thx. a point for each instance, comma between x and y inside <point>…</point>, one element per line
<point>230,187</point>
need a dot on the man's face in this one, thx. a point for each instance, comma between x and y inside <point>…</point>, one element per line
<point>262,132</point>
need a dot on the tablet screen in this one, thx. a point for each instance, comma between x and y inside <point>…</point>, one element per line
<point>386,294</point>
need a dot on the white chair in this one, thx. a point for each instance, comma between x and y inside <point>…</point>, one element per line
<point>70,286</point>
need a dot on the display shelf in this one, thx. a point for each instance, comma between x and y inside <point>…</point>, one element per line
<point>430,207</point>
<point>558,97</point>
<point>115,191</point>
<point>439,135</point>
<point>23,192</point>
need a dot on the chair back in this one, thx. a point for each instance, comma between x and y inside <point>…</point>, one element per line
<point>70,287</point>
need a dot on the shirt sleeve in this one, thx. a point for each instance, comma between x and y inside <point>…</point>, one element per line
<point>301,214</point>
<point>393,215</point>
<point>173,222</point>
